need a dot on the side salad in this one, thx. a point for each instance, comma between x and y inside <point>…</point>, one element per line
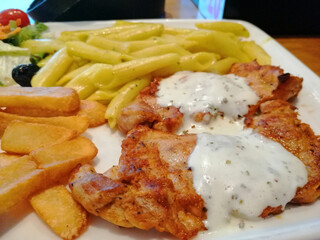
<point>15,28</point>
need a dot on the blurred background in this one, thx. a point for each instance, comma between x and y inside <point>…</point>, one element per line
<point>293,23</point>
<point>285,17</point>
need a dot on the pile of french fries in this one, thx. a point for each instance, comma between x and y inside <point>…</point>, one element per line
<point>111,65</point>
<point>41,144</point>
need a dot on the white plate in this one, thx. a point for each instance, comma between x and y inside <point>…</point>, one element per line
<point>302,222</point>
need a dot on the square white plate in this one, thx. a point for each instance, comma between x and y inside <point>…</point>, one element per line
<point>297,222</point>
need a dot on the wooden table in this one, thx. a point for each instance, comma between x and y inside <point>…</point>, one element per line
<point>306,49</point>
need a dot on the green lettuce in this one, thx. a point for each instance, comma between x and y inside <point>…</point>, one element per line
<point>29,32</point>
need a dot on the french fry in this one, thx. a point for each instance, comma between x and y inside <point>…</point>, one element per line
<point>7,159</point>
<point>75,123</point>
<point>221,26</point>
<point>94,111</point>
<point>60,211</point>
<point>126,94</point>
<point>53,98</point>
<point>88,81</point>
<point>35,112</point>
<point>59,160</point>
<point>24,165</point>
<point>86,51</point>
<point>18,181</point>
<point>38,46</point>
<point>50,73</point>
<point>23,138</point>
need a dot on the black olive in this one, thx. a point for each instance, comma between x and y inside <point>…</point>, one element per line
<point>23,74</point>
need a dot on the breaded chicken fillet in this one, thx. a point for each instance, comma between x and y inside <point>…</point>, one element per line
<point>152,186</point>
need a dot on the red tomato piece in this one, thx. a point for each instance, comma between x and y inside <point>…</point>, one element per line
<point>13,14</point>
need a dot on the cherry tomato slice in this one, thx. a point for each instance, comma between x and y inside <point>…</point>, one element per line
<point>14,14</point>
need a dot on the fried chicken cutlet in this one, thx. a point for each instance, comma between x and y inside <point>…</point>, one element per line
<point>268,82</point>
<point>151,187</point>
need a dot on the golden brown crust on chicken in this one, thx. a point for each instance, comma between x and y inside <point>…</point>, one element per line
<point>144,110</point>
<point>151,187</point>
<point>279,122</point>
<point>268,82</point>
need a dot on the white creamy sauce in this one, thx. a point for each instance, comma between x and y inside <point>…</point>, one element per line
<point>237,172</point>
<point>241,175</point>
<point>199,92</point>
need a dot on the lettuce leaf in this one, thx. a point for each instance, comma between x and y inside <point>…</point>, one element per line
<point>28,32</point>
